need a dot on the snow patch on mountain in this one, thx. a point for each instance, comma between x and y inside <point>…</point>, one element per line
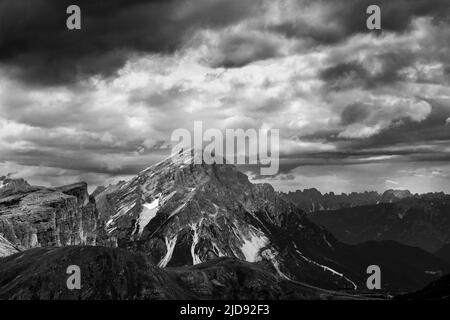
<point>217,250</point>
<point>401,215</point>
<point>328,269</point>
<point>124,210</point>
<point>147,214</point>
<point>253,243</point>
<point>326,241</point>
<point>271,256</point>
<point>111,230</point>
<point>195,238</point>
<point>170,245</point>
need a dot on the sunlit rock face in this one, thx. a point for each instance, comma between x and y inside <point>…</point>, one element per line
<point>6,248</point>
<point>39,217</point>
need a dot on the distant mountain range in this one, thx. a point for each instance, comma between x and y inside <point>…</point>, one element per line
<point>199,227</point>
<point>420,221</point>
<point>312,200</point>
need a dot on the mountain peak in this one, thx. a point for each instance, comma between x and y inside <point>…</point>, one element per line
<point>180,159</point>
<point>393,195</point>
<point>9,186</point>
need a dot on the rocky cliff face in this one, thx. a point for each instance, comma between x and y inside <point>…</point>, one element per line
<point>392,195</point>
<point>9,186</point>
<point>38,217</point>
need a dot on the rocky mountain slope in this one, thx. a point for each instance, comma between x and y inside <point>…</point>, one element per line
<point>179,214</point>
<point>416,221</point>
<point>113,273</point>
<point>38,217</point>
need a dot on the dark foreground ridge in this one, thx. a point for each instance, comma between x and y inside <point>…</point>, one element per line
<point>437,290</point>
<point>114,273</point>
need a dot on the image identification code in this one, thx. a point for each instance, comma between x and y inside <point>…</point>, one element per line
<point>230,310</point>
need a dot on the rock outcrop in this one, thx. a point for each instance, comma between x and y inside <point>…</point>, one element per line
<point>39,217</point>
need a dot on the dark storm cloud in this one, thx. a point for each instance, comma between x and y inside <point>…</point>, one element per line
<point>396,14</point>
<point>350,17</point>
<point>36,45</point>
<point>428,132</point>
<point>38,48</point>
<point>344,75</point>
<point>337,22</point>
<point>354,74</point>
<point>354,113</point>
<point>240,50</point>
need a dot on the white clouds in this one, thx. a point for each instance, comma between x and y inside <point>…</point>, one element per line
<point>361,131</point>
<point>379,113</point>
<point>298,147</point>
<point>391,182</point>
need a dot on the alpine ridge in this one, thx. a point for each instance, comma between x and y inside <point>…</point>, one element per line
<point>421,221</point>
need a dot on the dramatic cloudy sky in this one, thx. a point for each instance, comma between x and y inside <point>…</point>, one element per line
<point>356,109</point>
